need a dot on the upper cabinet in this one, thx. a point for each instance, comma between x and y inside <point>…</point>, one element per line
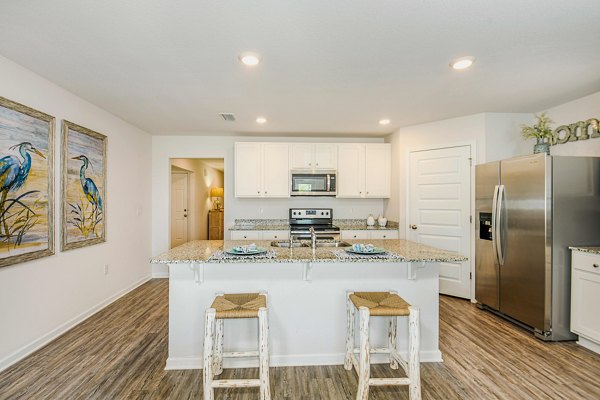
<point>262,170</point>
<point>313,156</point>
<point>364,170</point>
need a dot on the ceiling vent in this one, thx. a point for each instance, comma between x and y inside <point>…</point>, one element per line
<point>228,117</point>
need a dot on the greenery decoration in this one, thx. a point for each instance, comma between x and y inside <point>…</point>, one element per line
<point>539,131</point>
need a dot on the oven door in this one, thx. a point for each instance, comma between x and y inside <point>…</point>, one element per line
<point>317,184</point>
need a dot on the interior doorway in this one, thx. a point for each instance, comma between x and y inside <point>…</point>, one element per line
<point>197,204</point>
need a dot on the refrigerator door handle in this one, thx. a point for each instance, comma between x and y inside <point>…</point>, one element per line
<point>494,223</point>
<point>499,222</point>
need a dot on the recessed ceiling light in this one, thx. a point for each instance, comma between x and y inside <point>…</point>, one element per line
<point>250,59</point>
<point>261,120</point>
<point>384,121</point>
<point>462,63</point>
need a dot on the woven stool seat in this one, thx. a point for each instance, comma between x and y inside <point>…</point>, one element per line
<point>381,304</point>
<point>240,305</point>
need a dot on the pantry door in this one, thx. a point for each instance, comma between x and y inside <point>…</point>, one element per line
<point>179,208</point>
<point>440,210</point>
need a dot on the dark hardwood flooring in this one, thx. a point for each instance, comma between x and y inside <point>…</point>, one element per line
<point>120,353</point>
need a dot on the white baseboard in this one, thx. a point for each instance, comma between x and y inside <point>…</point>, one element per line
<point>294,360</point>
<point>160,275</point>
<point>61,329</point>
<point>588,344</point>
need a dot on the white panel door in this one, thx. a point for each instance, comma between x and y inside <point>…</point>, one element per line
<point>276,170</point>
<point>439,210</point>
<point>248,170</point>
<point>301,155</point>
<point>325,156</point>
<point>351,170</point>
<point>378,168</point>
<point>179,209</point>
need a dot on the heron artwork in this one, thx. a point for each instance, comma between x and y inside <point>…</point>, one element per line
<point>13,175</point>
<point>92,195</point>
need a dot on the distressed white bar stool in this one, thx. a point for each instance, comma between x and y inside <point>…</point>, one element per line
<point>231,306</point>
<point>382,304</point>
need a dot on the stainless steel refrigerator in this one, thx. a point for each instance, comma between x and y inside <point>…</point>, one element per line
<point>529,211</point>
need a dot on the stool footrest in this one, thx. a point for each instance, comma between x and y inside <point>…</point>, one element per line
<point>235,383</point>
<point>389,381</point>
<point>240,354</point>
<point>375,350</point>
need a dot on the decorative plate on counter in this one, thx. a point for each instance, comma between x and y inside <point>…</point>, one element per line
<point>376,250</point>
<point>248,252</point>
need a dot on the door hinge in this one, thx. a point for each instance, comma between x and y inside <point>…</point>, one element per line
<point>470,161</point>
<point>471,219</point>
<point>470,275</point>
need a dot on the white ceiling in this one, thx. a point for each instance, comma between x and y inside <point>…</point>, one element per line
<point>329,67</point>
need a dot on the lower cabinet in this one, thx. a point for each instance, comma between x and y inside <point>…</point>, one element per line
<point>585,295</point>
<point>366,234</point>
<point>260,235</point>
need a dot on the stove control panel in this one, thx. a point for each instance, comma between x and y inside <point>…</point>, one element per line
<point>311,213</point>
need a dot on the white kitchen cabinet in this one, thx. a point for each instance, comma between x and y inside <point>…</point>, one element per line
<point>364,170</point>
<point>260,235</point>
<point>384,234</point>
<point>585,297</point>
<point>378,170</point>
<point>313,156</point>
<point>248,170</point>
<point>245,235</point>
<point>362,234</point>
<point>276,170</point>
<point>351,170</point>
<point>275,235</point>
<point>262,170</point>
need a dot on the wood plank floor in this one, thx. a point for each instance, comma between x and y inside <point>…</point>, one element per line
<point>120,353</point>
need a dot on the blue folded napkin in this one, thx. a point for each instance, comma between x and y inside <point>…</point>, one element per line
<point>363,248</point>
<point>246,249</point>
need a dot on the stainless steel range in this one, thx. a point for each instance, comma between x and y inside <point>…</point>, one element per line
<point>320,219</point>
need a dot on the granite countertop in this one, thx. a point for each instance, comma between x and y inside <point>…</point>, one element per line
<point>199,251</point>
<point>587,249</point>
<point>283,225</point>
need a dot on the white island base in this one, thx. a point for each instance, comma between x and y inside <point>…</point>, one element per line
<point>307,309</point>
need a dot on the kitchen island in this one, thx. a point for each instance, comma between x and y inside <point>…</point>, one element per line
<point>307,308</point>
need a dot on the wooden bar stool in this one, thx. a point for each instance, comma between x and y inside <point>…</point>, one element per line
<point>230,306</point>
<point>382,304</point>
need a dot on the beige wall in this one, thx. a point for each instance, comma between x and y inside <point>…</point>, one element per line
<point>41,299</point>
<point>202,179</point>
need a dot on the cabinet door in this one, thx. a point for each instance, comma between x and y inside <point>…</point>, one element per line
<point>351,170</point>
<point>276,170</point>
<point>275,235</point>
<point>325,156</point>
<point>248,170</point>
<point>585,297</point>
<point>378,170</point>
<point>384,234</point>
<point>245,235</point>
<point>301,155</point>
<point>345,235</point>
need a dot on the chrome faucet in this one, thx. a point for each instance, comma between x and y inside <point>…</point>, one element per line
<point>313,238</point>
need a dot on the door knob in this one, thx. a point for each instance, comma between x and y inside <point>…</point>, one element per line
<point>413,227</point>
<point>184,215</point>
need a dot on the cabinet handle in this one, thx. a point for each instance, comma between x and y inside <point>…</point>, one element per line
<point>595,265</point>
<point>413,227</point>
<point>258,191</point>
<point>265,192</point>
<point>245,237</point>
<point>309,164</point>
<point>367,192</point>
<point>317,164</point>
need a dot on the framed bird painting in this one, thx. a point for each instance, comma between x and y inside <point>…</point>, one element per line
<point>83,186</point>
<point>26,183</point>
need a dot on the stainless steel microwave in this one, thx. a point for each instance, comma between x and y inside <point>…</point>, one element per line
<point>317,183</point>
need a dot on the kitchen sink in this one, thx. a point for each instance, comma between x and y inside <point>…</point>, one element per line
<point>287,244</point>
<point>332,243</point>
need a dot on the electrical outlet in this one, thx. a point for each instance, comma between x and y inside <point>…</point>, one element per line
<point>105,269</point>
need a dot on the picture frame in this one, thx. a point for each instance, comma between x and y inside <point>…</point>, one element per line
<point>83,186</point>
<point>26,183</point>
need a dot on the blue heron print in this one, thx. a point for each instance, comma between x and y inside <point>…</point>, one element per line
<point>13,175</point>
<point>87,224</point>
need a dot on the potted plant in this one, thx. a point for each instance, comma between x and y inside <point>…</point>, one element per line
<point>541,132</point>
